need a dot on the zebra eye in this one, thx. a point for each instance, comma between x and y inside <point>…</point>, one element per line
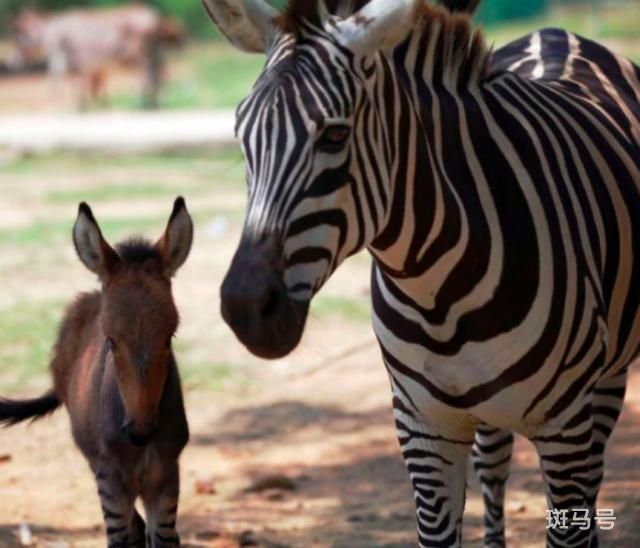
<point>334,138</point>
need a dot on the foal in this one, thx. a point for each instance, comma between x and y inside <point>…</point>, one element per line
<point>114,370</point>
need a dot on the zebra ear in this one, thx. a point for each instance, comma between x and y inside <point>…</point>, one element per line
<point>378,25</point>
<point>247,24</point>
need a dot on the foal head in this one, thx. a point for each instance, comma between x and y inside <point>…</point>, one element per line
<point>138,314</point>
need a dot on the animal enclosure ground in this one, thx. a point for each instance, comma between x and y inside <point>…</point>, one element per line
<point>321,418</point>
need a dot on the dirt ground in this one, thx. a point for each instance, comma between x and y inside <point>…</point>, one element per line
<point>325,427</point>
<point>320,417</point>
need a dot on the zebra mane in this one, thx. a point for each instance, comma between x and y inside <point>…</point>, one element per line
<point>461,54</point>
<point>461,51</point>
<point>314,11</point>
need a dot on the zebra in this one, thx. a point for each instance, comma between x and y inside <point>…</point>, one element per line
<point>498,194</point>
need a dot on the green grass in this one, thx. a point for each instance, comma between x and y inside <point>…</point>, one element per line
<point>112,192</point>
<point>119,178</point>
<point>207,376</point>
<point>228,163</point>
<point>27,333</point>
<point>44,233</point>
<point>218,77</point>
<point>349,309</point>
<point>208,75</point>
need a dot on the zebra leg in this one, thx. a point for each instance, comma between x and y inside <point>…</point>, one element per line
<point>565,457</point>
<point>573,463</point>
<point>125,527</point>
<point>608,398</point>
<point>437,466</point>
<point>491,457</point>
<point>160,500</point>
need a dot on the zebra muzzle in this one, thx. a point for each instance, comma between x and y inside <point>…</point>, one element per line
<point>255,303</point>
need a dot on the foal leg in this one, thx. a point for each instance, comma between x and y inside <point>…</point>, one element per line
<point>160,498</point>
<point>437,465</point>
<point>125,527</point>
<point>491,457</point>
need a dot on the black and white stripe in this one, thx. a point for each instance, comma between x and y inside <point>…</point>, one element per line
<point>500,199</point>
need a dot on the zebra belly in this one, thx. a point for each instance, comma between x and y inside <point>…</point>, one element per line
<point>455,391</point>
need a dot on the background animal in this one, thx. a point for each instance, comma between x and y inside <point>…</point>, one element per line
<point>499,196</point>
<point>113,368</point>
<point>85,43</point>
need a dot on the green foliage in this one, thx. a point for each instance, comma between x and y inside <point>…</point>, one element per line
<point>208,75</point>
<point>190,12</point>
<point>506,10</point>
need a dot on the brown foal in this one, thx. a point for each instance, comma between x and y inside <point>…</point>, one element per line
<point>114,370</point>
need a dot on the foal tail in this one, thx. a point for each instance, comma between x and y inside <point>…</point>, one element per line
<point>15,411</point>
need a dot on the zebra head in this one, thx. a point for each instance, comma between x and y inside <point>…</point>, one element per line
<point>316,158</point>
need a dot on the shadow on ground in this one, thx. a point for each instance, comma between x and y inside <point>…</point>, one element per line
<point>368,501</point>
<point>10,533</point>
<point>351,487</point>
<point>275,421</point>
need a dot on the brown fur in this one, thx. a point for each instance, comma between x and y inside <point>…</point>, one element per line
<point>114,369</point>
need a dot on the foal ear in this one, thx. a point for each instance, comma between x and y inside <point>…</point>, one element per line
<point>175,243</point>
<point>95,253</point>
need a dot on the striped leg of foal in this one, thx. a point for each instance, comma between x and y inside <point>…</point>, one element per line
<point>491,456</point>
<point>161,506</point>
<point>437,466</point>
<point>125,527</point>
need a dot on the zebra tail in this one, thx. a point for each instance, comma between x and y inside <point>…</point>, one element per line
<point>15,411</point>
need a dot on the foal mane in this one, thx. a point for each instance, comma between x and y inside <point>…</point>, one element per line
<point>137,250</point>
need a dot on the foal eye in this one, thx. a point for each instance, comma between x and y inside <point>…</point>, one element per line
<point>334,138</point>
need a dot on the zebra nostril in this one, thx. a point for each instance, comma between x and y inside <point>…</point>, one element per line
<point>270,304</point>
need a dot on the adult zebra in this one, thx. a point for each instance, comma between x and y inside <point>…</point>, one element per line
<point>500,200</point>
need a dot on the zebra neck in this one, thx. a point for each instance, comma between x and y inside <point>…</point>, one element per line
<point>438,230</point>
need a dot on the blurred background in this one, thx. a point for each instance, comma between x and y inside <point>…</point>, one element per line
<point>197,59</point>
<point>126,105</point>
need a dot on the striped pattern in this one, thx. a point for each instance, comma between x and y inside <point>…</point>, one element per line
<point>117,490</point>
<point>501,206</point>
